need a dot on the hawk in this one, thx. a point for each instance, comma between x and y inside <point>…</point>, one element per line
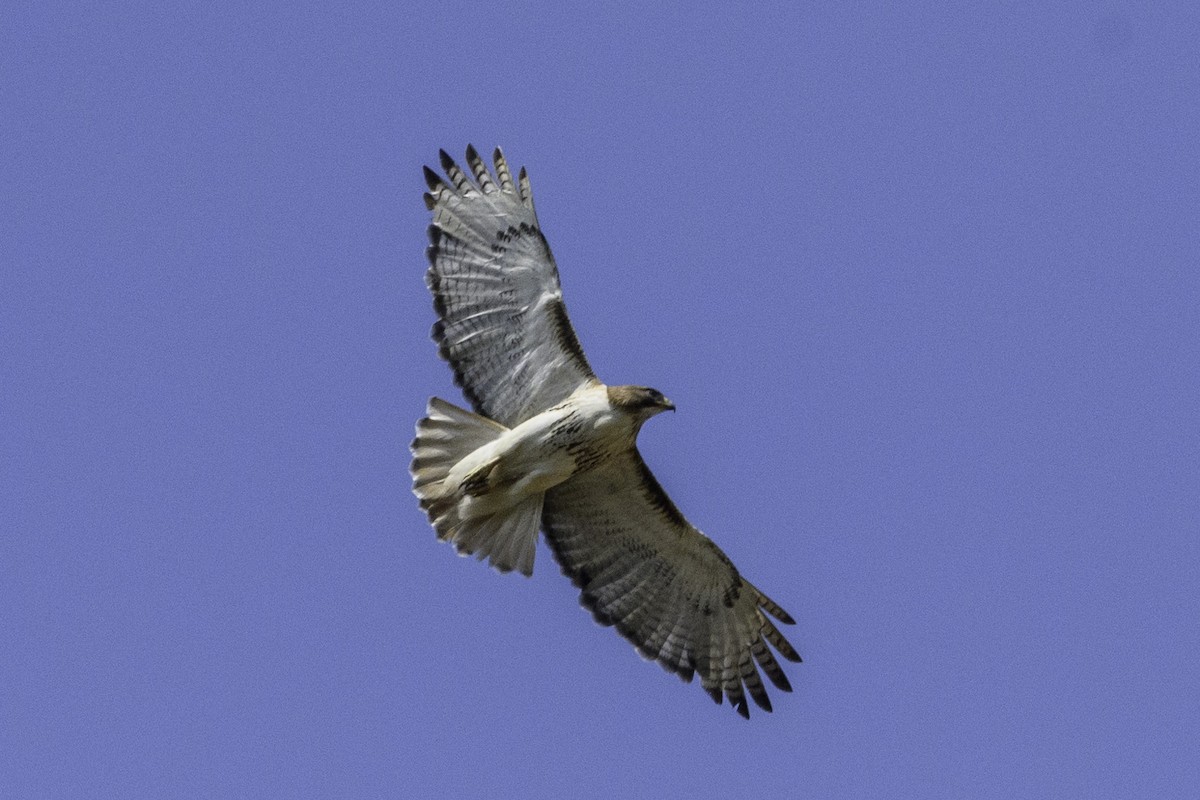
<point>552,447</point>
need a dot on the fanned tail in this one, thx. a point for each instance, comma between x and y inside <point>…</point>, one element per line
<point>445,436</point>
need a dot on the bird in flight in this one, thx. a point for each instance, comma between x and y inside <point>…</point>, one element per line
<point>551,447</point>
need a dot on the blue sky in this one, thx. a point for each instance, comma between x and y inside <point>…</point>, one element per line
<point>922,281</point>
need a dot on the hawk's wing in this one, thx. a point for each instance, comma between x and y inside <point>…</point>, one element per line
<point>502,324</point>
<point>665,586</point>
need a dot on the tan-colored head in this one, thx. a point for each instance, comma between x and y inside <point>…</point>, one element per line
<point>641,401</point>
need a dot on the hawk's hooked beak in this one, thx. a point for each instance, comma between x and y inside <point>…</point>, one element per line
<point>668,405</point>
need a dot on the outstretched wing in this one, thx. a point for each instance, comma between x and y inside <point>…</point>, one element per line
<point>502,323</point>
<point>664,585</point>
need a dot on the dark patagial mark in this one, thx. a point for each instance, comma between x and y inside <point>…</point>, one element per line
<point>657,497</point>
<point>565,334</point>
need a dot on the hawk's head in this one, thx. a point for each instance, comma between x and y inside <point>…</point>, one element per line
<point>640,401</point>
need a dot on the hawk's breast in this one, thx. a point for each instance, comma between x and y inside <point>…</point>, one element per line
<point>574,436</point>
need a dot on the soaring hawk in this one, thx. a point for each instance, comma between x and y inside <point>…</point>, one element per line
<point>552,447</point>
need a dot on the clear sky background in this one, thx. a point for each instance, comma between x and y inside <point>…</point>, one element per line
<point>921,278</point>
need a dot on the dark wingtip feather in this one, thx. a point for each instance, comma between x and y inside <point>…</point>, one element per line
<point>789,653</point>
<point>447,161</point>
<point>772,608</point>
<point>743,708</point>
<point>483,178</point>
<point>433,180</point>
<point>772,635</point>
<point>754,685</point>
<point>503,175</point>
<point>780,680</point>
<point>715,693</point>
<point>770,666</point>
